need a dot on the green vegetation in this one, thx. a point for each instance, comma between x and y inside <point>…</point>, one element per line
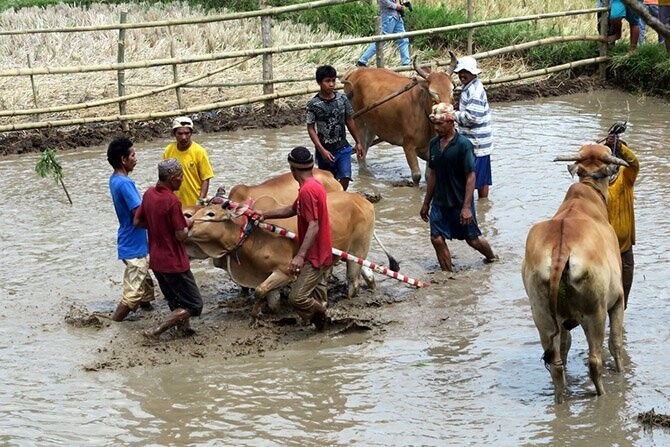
<point>646,70</point>
<point>48,165</point>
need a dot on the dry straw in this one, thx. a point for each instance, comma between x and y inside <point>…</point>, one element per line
<point>190,41</point>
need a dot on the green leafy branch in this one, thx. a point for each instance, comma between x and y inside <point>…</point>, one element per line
<point>48,165</point>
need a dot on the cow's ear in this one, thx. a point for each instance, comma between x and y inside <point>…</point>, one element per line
<point>572,169</point>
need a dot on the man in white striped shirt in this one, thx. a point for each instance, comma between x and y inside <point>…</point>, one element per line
<point>474,121</point>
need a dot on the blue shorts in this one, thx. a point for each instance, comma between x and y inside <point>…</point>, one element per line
<point>446,222</point>
<point>483,171</point>
<point>341,167</point>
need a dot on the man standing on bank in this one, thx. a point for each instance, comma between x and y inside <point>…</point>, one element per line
<point>474,121</point>
<point>138,287</point>
<point>193,159</point>
<point>160,212</point>
<point>450,189</point>
<point>313,262</point>
<point>391,12</point>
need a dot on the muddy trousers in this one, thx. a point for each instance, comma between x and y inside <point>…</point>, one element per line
<point>309,292</point>
<point>627,269</point>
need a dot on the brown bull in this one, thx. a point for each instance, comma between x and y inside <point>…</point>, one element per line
<point>572,270</point>
<point>261,261</point>
<point>403,120</point>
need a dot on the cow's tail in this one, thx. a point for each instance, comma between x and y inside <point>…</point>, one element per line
<point>560,266</point>
<point>394,265</point>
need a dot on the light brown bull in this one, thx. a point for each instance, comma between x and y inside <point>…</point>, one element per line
<point>572,270</point>
<point>262,260</point>
<point>403,120</point>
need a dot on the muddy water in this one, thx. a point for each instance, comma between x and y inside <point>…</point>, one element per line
<point>458,363</point>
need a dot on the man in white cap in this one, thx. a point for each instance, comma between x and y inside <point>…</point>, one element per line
<point>194,160</point>
<point>474,121</point>
<point>448,204</point>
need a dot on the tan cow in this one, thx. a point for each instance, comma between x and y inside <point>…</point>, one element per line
<point>572,270</point>
<point>283,188</point>
<point>403,120</point>
<point>262,260</point>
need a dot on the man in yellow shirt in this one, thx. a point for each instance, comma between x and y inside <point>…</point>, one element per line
<point>620,208</point>
<point>193,158</point>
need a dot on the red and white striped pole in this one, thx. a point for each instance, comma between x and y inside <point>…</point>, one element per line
<point>344,255</point>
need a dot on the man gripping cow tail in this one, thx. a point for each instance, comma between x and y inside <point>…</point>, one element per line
<point>313,262</point>
<point>620,205</point>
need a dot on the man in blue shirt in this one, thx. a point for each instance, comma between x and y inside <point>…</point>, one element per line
<point>392,23</point>
<point>133,249</point>
<point>450,189</point>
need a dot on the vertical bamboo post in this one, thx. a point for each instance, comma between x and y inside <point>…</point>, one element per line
<point>471,31</point>
<point>32,84</point>
<point>379,45</point>
<point>604,27</point>
<point>266,37</point>
<point>175,71</point>
<point>121,75</point>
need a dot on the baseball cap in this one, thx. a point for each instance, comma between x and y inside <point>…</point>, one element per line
<point>182,121</point>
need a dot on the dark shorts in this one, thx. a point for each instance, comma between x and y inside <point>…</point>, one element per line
<point>445,222</point>
<point>483,171</point>
<point>341,167</point>
<point>181,291</point>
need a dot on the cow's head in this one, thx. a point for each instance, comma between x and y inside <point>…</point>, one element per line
<point>214,230</point>
<point>593,161</point>
<point>437,84</point>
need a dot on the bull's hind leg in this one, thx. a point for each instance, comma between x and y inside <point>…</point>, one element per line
<point>616,333</point>
<point>551,343</point>
<point>353,278</point>
<point>594,329</point>
<point>566,342</point>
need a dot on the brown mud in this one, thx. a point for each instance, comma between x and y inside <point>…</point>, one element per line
<point>226,329</point>
<point>245,117</point>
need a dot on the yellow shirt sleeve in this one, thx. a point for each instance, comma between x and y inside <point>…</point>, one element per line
<point>620,199</point>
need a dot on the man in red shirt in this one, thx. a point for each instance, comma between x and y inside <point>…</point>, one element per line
<point>314,260</point>
<point>160,212</point>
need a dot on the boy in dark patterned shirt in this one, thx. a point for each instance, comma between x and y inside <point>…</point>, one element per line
<point>328,112</point>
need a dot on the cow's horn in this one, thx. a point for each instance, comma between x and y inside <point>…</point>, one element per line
<point>417,67</point>
<point>452,65</point>
<point>613,160</point>
<point>576,157</point>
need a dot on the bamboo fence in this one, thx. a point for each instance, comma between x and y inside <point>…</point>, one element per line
<point>267,51</point>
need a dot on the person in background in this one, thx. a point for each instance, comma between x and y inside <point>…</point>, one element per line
<point>664,18</point>
<point>160,212</point>
<point>652,8</point>
<point>194,160</point>
<point>450,189</point>
<point>620,207</point>
<point>618,12</point>
<point>391,12</point>
<point>474,121</point>
<point>313,262</point>
<point>132,247</point>
<point>328,112</point>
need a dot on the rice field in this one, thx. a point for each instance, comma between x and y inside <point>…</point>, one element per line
<point>100,47</point>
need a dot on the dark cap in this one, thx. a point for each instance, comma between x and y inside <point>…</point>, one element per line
<point>301,158</point>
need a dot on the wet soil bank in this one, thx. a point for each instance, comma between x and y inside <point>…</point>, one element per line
<point>246,118</point>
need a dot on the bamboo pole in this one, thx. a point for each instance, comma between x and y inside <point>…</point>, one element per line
<point>121,75</point>
<point>604,31</point>
<point>103,102</point>
<point>471,31</point>
<point>286,49</point>
<point>379,45</point>
<point>266,39</point>
<point>276,95</point>
<point>175,71</point>
<point>177,22</point>
<point>545,71</point>
<point>34,87</point>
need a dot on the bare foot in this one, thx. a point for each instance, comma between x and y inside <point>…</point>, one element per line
<point>152,333</point>
<point>491,260</point>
